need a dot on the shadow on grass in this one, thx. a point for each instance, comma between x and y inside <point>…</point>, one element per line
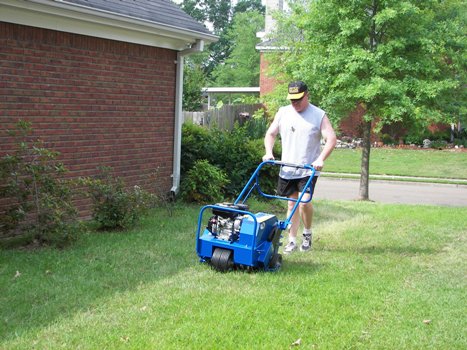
<point>404,251</point>
<point>335,211</point>
<point>58,284</point>
<point>39,287</point>
<point>305,267</point>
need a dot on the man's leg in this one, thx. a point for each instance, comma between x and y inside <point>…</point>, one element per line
<point>294,225</point>
<point>295,221</point>
<point>306,212</point>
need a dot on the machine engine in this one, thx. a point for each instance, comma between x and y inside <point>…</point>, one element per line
<point>226,225</point>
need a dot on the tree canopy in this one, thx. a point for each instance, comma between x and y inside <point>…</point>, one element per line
<point>241,68</point>
<point>232,60</point>
<point>219,14</point>
<point>401,60</point>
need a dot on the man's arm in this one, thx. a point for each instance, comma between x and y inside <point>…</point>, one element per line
<point>329,137</point>
<point>270,138</point>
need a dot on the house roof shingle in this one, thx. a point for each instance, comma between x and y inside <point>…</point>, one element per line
<point>159,23</point>
<point>163,12</point>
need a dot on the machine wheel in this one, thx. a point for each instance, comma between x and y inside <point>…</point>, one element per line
<point>272,234</point>
<point>275,262</point>
<point>222,259</point>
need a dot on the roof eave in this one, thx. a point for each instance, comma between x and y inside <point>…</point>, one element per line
<point>70,18</point>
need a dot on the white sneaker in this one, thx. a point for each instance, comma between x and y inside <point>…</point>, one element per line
<point>306,243</point>
<point>290,248</point>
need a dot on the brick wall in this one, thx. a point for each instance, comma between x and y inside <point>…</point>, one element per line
<point>96,101</point>
<point>352,126</point>
<point>266,83</point>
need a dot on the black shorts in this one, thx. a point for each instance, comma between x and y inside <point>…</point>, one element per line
<point>285,187</point>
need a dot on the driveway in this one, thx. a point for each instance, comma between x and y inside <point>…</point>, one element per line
<point>393,192</point>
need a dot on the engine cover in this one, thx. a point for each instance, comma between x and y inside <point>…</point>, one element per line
<point>225,224</point>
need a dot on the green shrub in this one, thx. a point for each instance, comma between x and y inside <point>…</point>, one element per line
<point>460,142</point>
<point>387,139</point>
<point>460,137</point>
<point>115,206</point>
<point>416,137</point>
<point>237,153</point>
<point>269,174</point>
<point>439,144</point>
<point>231,156</point>
<point>204,183</point>
<point>40,205</point>
<point>256,127</point>
<point>197,143</point>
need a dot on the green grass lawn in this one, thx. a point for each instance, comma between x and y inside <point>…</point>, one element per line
<point>388,161</point>
<point>379,277</point>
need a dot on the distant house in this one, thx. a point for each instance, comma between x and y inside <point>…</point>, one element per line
<point>101,82</point>
<point>268,45</point>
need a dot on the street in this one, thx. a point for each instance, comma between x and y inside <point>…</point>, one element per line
<point>393,192</point>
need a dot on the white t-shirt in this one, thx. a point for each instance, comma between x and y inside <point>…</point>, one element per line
<point>300,137</point>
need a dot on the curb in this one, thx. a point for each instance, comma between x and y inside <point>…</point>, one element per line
<point>398,178</point>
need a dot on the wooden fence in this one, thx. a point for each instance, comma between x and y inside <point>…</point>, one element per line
<point>224,118</point>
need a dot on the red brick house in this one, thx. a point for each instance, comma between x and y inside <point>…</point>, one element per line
<point>100,81</point>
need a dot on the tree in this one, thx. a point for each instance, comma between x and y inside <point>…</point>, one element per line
<point>241,68</point>
<point>219,13</point>
<point>193,82</point>
<point>392,57</point>
<point>199,67</point>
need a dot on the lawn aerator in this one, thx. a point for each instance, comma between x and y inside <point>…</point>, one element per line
<point>236,238</point>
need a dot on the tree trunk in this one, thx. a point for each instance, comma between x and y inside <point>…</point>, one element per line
<point>365,166</point>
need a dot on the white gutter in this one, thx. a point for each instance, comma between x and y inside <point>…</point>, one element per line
<point>177,153</point>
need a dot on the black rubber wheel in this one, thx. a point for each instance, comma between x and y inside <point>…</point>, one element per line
<point>276,261</point>
<point>216,255</point>
<point>272,234</point>
<point>222,259</point>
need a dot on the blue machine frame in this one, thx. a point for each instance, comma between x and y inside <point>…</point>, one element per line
<point>258,241</point>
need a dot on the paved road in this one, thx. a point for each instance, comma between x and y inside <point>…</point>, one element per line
<point>393,192</point>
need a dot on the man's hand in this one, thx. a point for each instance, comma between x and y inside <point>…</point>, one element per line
<point>318,164</point>
<point>268,156</point>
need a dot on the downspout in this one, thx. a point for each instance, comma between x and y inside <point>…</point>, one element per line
<point>198,46</point>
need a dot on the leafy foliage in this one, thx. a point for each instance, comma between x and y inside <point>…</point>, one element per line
<point>400,60</point>
<point>40,205</point>
<point>197,143</point>
<point>219,14</point>
<point>203,183</point>
<point>382,54</point>
<point>236,153</point>
<point>241,67</point>
<point>257,126</point>
<point>193,82</point>
<point>115,206</point>
<point>232,60</point>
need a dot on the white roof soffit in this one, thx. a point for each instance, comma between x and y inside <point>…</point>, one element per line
<point>60,16</point>
<point>231,89</point>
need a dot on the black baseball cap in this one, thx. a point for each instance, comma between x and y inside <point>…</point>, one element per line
<point>296,90</point>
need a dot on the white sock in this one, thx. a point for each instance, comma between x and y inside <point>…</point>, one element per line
<point>293,240</point>
<point>307,231</point>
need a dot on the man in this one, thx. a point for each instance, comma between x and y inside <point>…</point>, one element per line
<point>301,126</point>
